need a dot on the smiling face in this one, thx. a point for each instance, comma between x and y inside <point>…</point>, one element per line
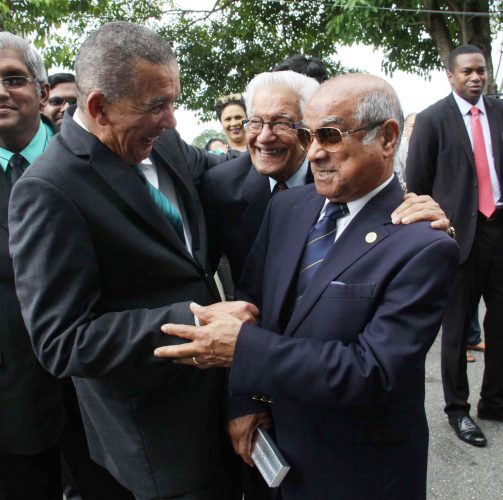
<point>232,116</point>
<point>131,125</point>
<point>469,77</point>
<point>19,107</point>
<point>276,155</point>
<point>64,90</point>
<point>356,168</point>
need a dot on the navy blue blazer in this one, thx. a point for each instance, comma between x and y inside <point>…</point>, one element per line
<point>345,367</point>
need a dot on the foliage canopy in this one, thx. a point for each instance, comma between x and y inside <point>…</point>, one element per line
<point>222,47</point>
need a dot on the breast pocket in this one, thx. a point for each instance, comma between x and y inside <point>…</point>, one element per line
<point>340,290</point>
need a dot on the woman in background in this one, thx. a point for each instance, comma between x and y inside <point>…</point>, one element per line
<point>231,111</point>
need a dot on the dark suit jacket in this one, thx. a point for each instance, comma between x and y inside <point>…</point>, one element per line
<point>440,163</point>
<point>346,371</point>
<point>235,198</point>
<point>31,411</point>
<point>98,271</point>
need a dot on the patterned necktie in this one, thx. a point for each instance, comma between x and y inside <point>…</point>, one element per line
<point>164,204</point>
<point>16,166</point>
<point>280,186</point>
<point>485,192</point>
<point>320,240</point>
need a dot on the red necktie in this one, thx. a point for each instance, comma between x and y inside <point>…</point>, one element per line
<point>486,198</point>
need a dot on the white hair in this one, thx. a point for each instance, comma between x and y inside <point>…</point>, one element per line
<point>302,85</point>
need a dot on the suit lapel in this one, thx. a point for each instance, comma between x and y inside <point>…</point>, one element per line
<point>256,193</point>
<point>301,219</point>
<point>122,179</point>
<point>457,126</point>
<point>351,246</point>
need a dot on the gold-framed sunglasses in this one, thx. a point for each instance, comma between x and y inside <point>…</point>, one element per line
<point>329,138</point>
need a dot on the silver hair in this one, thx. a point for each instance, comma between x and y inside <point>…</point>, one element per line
<point>379,105</point>
<point>106,61</point>
<point>28,54</point>
<point>302,85</point>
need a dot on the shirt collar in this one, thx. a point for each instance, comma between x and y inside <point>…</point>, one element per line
<point>356,205</point>
<point>297,179</point>
<point>34,149</point>
<point>465,106</point>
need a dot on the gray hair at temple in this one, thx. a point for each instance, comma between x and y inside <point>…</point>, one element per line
<point>29,55</point>
<point>302,85</point>
<point>106,61</point>
<point>379,105</point>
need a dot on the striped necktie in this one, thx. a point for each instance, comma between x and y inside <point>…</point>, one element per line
<point>164,204</point>
<point>278,187</point>
<point>16,167</point>
<point>320,240</point>
<point>485,190</point>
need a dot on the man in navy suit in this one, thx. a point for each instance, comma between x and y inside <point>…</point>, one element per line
<point>236,193</point>
<point>347,315</point>
<point>445,160</point>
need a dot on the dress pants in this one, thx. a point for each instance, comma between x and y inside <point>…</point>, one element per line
<point>480,275</point>
<point>27,477</point>
<point>86,478</point>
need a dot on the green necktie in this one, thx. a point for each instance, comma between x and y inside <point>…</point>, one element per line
<point>164,204</point>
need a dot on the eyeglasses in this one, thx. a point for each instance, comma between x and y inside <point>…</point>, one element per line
<point>329,138</point>
<point>16,82</point>
<point>60,101</point>
<point>278,128</point>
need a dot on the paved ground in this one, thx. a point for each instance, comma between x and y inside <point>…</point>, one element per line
<point>456,470</point>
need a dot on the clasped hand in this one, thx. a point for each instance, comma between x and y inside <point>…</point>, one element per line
<point>212,344</point>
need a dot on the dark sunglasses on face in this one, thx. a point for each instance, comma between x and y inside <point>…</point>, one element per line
<point>16,82</point>
<point>329,138</point>
<point>60,101</point>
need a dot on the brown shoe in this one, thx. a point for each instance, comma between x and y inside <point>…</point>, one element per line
<point>470,358</point>
<point>481,346</point>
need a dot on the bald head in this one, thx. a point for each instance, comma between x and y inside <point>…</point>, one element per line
<point>366,109</point>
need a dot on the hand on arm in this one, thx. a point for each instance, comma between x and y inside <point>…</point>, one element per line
<point>241,430</point>
<point>212,344</point>
<point>417,208</point>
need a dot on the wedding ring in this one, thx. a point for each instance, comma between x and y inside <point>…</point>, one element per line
<point>195,361</point>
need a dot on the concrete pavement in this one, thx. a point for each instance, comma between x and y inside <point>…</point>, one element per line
<point>456,470</point>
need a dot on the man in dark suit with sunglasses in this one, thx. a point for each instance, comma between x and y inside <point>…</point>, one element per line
<point>236,193</point>
<point>62,95</point>
<point>350,304</point>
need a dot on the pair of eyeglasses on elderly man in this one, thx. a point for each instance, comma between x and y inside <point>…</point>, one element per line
<point>329,138</point>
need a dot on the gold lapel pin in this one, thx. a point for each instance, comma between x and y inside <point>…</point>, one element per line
<point>371,237</point>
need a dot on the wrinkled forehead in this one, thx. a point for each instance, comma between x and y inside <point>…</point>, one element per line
<point>329,109</point>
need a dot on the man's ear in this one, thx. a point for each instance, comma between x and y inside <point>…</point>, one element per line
<point>97,107</point>
<point>390,133</point>
<point>44,95</point>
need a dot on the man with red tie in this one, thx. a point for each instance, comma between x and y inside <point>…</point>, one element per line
<point>456,155</point>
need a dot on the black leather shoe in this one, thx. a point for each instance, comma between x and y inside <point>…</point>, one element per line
<point>485,412</point>
<point>467,430</point>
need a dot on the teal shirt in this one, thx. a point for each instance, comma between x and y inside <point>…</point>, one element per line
<point>34,149</point>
